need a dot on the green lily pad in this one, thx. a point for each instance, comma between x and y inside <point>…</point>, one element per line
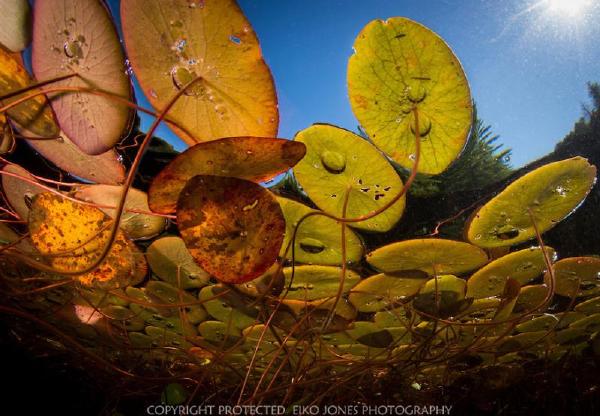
<point>577,276</point>
<point>443,296</point>
<point>572,336</point>
<point>398,317</point>
<point>431,255</point>
<point>313,314</point>
<point>398,66</point>
<point>220,334</point>
<point>317,282</point>
<point>589,323</point>
<point>135,225</point>
<point>255,159</point>
<point>227,307</point>
<point>64,42</point>
<point>174,394</point>
<point>167,293</point>
<point>338,161</point>
<point>544,196</point>
<point>589,306</point>
<point>15,24</point>
<point>18,192</point>
<point>260,285</point>
<point>232,227</point>
<point>319,239</point>
<point>530,297</point>
<point>124,317</point>
<point>170,260</point>
<point>208,39</point>
<point>163,337</point>
<point>541,323</point>
<point>384,290</point>
<point>523,266</point>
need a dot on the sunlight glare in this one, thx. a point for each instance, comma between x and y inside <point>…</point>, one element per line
<point>568,8</point>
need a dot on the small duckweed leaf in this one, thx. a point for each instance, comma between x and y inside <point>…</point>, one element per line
<point>171,44</point>
<point>18,192</point>
<point>338,161</point>
<point>384,290</point>
<point>317,282</point>
<point>135,225</point>
<point>428,255</point>
<point>232,227</point>
<point>548,194</point>
<point>443,296</point>
<point>256,159</point>
<point>15,24</point>
<point>523,266</point>
<point>78,37</point>
<point>400,65</point>
<point>170,260</point>
<point>577,276</point>
<point>73,236</point>
<point>318,240</point>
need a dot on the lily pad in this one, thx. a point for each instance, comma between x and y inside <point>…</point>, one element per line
<point>227,307</point>
<point>256,159</point>
<point>385,290</point>
<point>15,24</point>
<point>212,40</point>
<point>318,239</point>
<point>400,67</point>
<point>578,276</point>
<point>18,192</point>
<point>135,225</point>
<point>317,282</point>
<point>523,266</point>
<point>65,41</point>
<point>338,161</point>
<point>170,260</point>
<point>544,196</point>
<point>232,227</point>
<point>590,306</point>
<point>530,297</point>
<point>7,137</point>
<point>431,255</point>
<point>220,334</point>
<point>442,296</point>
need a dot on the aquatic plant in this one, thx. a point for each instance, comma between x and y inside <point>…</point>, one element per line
<point>245,292</point>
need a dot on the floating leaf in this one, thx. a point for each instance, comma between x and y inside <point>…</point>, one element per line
<point>15,24</point>
<point>135,225</point>
<point>338,161</point>
<point>399,67</point>
<point>442,296</point>
<point>384,290</point>
<point>220,334</point>
<point>318,239</point>
<point>256,159</point>
<point>169,294</point>
<point>18,192</point>
<point>78,37</point>
<point>431,255</point>
<point>170,260</point>
<point>74,235</point>
<point>219,302</point>
<point>544,196</point>
<point>578,276</point>
<point>589,306</point>
<point>530,297</point>
<point>268,281</point>
<point>171,44</point>
<point>232,227</point>
<point>523,266</point>
<point>7,137</point>
<point>316,282</point>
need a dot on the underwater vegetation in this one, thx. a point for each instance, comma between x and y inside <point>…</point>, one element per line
<point>153,268</point>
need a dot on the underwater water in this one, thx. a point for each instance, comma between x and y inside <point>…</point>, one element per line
<point>177,239</point>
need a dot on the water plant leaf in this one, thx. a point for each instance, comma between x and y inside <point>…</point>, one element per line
<point>442,296</point>
<point>78,37</point>
<point>523,266</point>
<point>15,24</point>
<point>589,306</point>
<point>577,276</point>
<point>220,334</point>
<point>171,44</point>
<point>316,282</point>
<point>18,192</point>
<point>530,297</point>
<point>544,196</point>
<point>431,255</point>
<point>399,67</point>
<point>232,227</point>
<point>7,137</point>
<point>318,239</point>
<point>338,161</point>
<point>73,236</point>
<point>135,225</point>
<point>218,303</point>
<point>383,290</point>
<point>256,159</point>
<point>170,260</point>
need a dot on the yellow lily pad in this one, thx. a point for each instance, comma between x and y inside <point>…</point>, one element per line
<point>530,297</point>
<point>578,276</point>
<point>442,296</point>
<point>170,260</point>
<point>399,67</point>
<point>383,290</point>
<point>215,41</point>
<point>135,225</point>
<point>15,24</point>
<point>338,161</point>
<point>256,159</point>
<point>7,137</point>
<point>544,196</point>
<point>232,227</point>
<point>316,282</point>
<point>523,266</point>
<point>318,239</point>
<point>431,255</point>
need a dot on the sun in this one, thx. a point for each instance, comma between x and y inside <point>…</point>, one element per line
<point>568,8</point>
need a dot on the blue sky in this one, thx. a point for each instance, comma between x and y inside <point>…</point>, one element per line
<point>527,61</point>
